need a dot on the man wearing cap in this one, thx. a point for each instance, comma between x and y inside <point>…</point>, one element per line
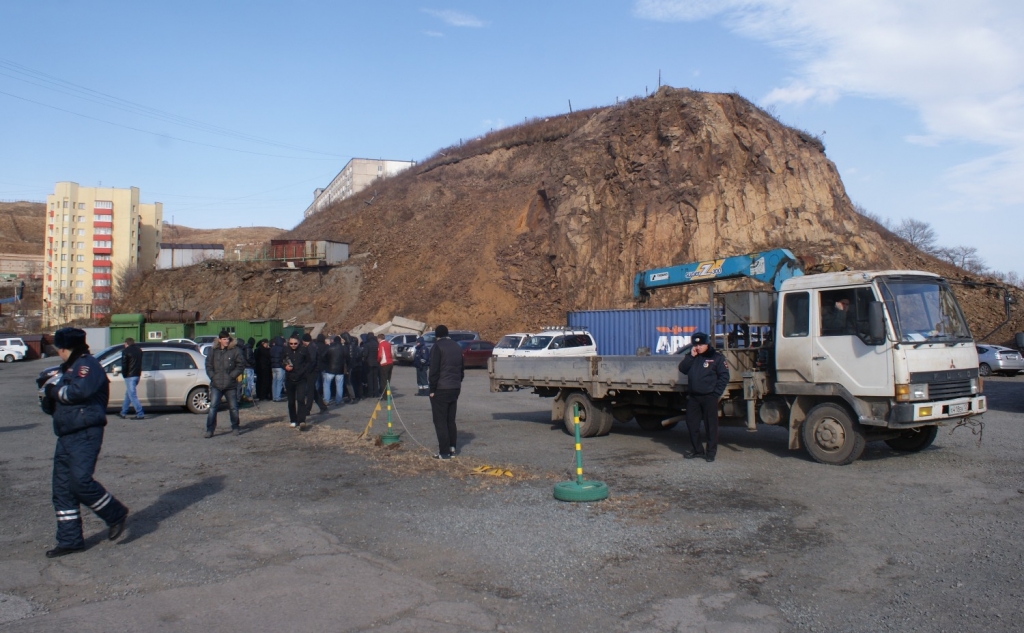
<point>78,403</point>
<point>224,364</point>
<point>707,376</point>
<point>446,373</point>
<point>131,372</point>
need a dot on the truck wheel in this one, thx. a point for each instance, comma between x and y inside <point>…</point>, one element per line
<point>914,440</point>
<point>831,436</point>
<point>594,419</point>
<point>198,400</point>
<point>984,369</point>
<point>9,358</point>
<point>653,422</point>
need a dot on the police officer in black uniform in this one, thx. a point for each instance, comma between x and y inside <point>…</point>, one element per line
<point>707,375</point>
<point>78,403</point>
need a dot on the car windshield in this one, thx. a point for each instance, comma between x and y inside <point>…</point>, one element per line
<point>924,311</point>
<point>509,341</point>
<point>535,342</point>
<point>429,337</point>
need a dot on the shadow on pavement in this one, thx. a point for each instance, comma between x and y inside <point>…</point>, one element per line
<point>20,427</point>
<point>145,522</point>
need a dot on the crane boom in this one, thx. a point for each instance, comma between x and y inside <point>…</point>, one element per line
<point>772,267</point>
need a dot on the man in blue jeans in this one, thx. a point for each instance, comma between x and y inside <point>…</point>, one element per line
<point>224,365</point>
<point>277,369</point>
<point>131,371</point>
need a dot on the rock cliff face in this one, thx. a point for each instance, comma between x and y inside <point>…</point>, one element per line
<point>558,214</point>
<point>510,231</point>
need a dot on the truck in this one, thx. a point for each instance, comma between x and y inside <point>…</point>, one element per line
<point>842,358</point>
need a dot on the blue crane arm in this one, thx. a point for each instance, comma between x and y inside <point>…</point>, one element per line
<point>772,267</point>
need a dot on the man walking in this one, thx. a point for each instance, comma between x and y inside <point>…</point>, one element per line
<point>224,365</point>
<point>707,375</point>
<point>78,403</point>
<point>337,359</point>
<point>446,373</point>
<point>315,351</point>
<point>131,371</point>
<point>296,365</point>
<point>421,360</point>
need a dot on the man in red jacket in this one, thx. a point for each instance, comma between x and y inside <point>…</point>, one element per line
<point>387,361</point>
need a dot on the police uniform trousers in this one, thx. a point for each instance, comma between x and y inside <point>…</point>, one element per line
<point>74,462</point>
<point>702,408</point>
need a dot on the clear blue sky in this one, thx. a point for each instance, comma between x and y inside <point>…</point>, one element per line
<point>232,113</point>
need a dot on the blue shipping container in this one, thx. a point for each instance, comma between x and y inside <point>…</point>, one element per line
<point>622,332</point>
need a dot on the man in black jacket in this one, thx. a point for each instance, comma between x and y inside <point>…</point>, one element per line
<point>334,374</point>
<point>131,371</point>
<point>224,364</point>
<point>316,351</point>
<point>446,373</point>
<point>707,376</point>
<point>370,352</point>
<point>296,364</point>
<point>78,403</point>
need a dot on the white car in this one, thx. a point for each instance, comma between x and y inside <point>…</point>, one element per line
<point>510,343</point>
<point>557,342</point>
<point>12,349</point>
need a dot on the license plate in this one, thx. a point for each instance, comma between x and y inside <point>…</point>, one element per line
<point>956,409</point>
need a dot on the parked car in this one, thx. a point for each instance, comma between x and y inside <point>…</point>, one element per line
<point>455,335</point>
<point>205,338</point>
<point>509,343</point>
<point>404,353</point>
<point>400,339</point>
<point>996,359</point>
<point>558,342</point>
<point>172,375</point>
<point>475,353</point>
<point>12,349</point>
<point>204,348</point>
<point>182,340</point>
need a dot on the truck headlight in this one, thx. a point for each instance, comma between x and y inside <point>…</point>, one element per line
<point>975,385</point>
<point>912,392</point>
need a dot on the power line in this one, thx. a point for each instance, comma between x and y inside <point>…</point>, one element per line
<point>101,98</point>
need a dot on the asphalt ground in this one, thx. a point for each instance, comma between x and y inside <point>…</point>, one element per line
<point>278,529</point>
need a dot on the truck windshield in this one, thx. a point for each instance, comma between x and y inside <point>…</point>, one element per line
<point>924,311</point>
<point>509,342</point>
<point>535,342</point>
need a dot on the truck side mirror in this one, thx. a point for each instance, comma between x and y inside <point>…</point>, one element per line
<point>876,323</point>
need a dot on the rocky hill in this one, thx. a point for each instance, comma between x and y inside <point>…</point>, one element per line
<point>22,227</point>
<point>510,231</point>
<point>248,241</point>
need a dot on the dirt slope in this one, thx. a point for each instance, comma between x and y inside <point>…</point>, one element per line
<point>512,230</point>
<point>249,240</point>
<point>22,227</point>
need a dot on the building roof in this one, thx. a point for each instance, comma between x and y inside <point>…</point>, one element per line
<point>205,247</point>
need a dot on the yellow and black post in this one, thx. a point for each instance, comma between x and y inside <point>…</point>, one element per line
<point>389,436</point>
<point>581,489</point>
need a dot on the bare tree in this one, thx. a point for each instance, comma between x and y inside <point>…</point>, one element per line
<point>919,234</point>
<point>965,257</point>
<point>885,223</point>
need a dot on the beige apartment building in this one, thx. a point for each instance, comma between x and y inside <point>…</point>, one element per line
<point>355,176</point>
<point>93,234</point>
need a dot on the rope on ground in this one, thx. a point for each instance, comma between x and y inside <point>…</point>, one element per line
<point>977,427</point>
<point>397,413</point>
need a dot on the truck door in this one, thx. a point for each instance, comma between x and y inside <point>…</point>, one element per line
<point>840,356</point>
<point>793,347</point>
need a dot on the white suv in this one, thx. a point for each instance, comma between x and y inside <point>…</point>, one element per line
<point>12,349</point>
<point>509,343</point>
<point>557,342</point>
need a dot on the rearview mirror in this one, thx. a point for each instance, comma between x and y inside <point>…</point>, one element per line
<point>876,323</point>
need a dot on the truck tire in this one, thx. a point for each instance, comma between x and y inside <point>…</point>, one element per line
<point>9,358</point>
<point>914,440</point>
<point>652,423</point>
<point>831,436</point>
<point>594,419</point>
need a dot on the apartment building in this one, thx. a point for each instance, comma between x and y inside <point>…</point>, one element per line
<point>92,235</point>
<point>356,175</point>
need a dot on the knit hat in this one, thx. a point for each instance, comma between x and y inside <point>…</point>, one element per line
<point>307,338</point>
<point>441,331</point>
<point>68,338</point>
<point>699,338</point>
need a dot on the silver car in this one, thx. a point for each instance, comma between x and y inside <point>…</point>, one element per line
<point>996,359</point>
<point>172,376</point>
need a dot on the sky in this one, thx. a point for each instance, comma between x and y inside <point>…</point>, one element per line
<point>232,113</point>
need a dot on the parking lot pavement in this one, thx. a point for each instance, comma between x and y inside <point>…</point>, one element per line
<point>316,530</point>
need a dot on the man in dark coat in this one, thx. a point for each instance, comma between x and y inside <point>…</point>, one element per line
<point>224,364</point>
<point>707,376</point>
<point>264,371</point>
<point>421,361</point>
<point>296,364</point>
<point>315,351</point>
<point>334,374</point>
<point>446,373</point>
<point>370,351</point>
<point>131,372</point>
<point>78,403</point>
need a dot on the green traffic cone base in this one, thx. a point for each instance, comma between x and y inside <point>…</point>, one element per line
<point>581,491</point>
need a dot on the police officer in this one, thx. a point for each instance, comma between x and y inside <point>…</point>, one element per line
<point>707,375</point>
<point>78,403</point>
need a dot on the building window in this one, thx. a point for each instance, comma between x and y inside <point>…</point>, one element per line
<point>103,218</point>
<point>78,297</point>
<point>99,244</point>
<point>103,204</point>
<point>63,270</point>
<point>102,258</point>
<point>103,231</point>
<point>81,232</point>
<point>97,282</point>
<point>63,244</point>
<point>63,284</point>
<point>81,205</point>
<point>79,258</point>
<point>100,309</point>
<point>81,271</point>
<point>65,230</point>
<point>79,284</point>
<point>79,245</point>
<point>63,257</point>
<point>65,206</point>
<point>101,270</point>
<point>101,295</point>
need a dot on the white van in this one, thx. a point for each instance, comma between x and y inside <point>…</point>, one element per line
<point>509,343</point>
<point>12,349</point>
<point>557,342</point>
